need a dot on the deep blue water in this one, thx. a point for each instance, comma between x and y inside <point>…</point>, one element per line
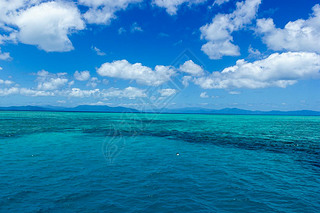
<point>99,162</point>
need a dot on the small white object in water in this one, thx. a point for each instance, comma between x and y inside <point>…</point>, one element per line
<point>178,154</point>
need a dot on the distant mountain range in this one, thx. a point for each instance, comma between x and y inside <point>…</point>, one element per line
<point>81,108</point>
<point>95,108</point>
<point>236,111</point>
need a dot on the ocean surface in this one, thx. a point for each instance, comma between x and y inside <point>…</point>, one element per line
<point>100,162</point>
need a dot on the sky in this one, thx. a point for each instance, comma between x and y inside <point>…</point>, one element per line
<point>151,54</point>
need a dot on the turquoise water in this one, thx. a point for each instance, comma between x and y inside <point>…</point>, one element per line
<point>96,162</point>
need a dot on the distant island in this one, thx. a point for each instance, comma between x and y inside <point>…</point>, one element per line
<point>108,109</point>
<point>80,108</point>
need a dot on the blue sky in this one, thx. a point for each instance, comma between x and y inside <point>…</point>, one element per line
<point>251,54</point>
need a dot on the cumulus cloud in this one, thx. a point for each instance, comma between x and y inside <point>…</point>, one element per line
<point>8,10</point>
<point>234,93</point>
<point>141,74</point>
<point>215,50</point>
<point>218,32</point>
<point>12,37</point>
<point>98,51</point>
<point>103,11</point>
<point>278,70</point>
<point>52,84</point>
<point>49,81</point>
<point>31,92</point>
<point>99,103</point>
<point>167,92</point>
<point>204,95</point>
<point>220,2</point>
<point>4,55</point>
<point>136,28</point>
<point>82,76</point>
<point>172,6</point>
<point>121,31</point>
<point>93,82</point>
<point>129,92</point>
<point>48,25</point>
<point>24,92</point>
<point>9,91</point>
<point>186,80</point>
<point>79,93</point>
<point>253,52</point>
<point>191,68</point>
<point>6,82</point>
<point>299,35</point>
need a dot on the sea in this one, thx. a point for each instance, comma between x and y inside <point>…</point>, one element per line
<point>127,162</point>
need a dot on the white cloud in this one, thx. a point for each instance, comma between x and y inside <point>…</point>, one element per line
<point>49,81</point>
<point>204,95</point>
<point>30,92</point>
<point>99,103</point>
<point>9,91</point>
<point>278,70</point>
<point>4,55</point>
<point>167,92</point>
<point>11,37</point>
<point>78,93</point>
<point>43,74</point>
<point>129,92</point>
<point>220,2</point>
<point>98,51</point>
<point>299,35</point>
<point>105,81</point>
<point>48,25</point>
<point>234,93</point>
<point>186,80</point>
<point>253,52</point>
<point>191,68</point>
<point>121,30</point>
<point>218,32</point>
<point>24,92</point>
<point>52,84</point>
<point>215,50</point>
<point>6,82</point>
<point>103,11</point>
<point>142,74</point>
<point>93,82</point>
<point>71,83</point>
<point>136,28</point>
<point>82,76</point>
<point>172,6</point>
<point>61,102</point>
<point>8,10</point>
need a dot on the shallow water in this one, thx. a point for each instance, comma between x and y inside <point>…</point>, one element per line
<point>99,162</point>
